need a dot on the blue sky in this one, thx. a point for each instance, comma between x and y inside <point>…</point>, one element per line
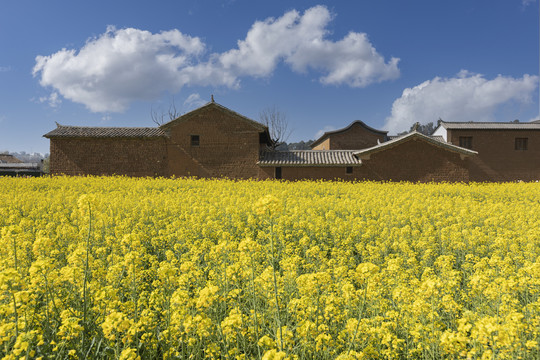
<point>323,64</point>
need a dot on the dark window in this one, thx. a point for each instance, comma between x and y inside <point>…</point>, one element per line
<point>195,140</point>
<point>278,173</point>
<point>348,170</point>
<point>465,142</point>
<point>522,143</point>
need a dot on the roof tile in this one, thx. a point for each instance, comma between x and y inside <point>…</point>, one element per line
<point>104,132</point>
<point>309,158</point>
<point>491,125</point>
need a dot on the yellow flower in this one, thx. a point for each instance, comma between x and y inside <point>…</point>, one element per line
<point>274,354</point>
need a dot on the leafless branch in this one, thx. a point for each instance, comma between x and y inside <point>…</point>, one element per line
<point>277,124</point>
<point>160,118</point>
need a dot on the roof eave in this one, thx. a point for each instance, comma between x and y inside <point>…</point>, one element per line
<point>359,122</point>
<point>310,165</point>
<point>365,154</point>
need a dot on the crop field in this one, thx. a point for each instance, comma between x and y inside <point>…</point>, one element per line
<point>122,268</point>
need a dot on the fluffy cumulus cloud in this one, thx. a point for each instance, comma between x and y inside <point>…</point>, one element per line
<point>466,97</point>
<point>121,66</point>
<point>299,40</point>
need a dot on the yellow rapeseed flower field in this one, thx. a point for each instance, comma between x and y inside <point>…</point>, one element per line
<point>122,268</point>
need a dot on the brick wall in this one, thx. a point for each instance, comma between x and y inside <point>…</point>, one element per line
<point>312,172</point>
<point>497,159</point>
<point>356,137</point>
<point>108,156</point>
<point>414,160</point>
<point>228,145</point>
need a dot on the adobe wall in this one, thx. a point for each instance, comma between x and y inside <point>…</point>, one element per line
<point>414,160</point>
<point>355,138</point>
<point>312,173</point>
<point>108,156</point>
<point>497,159</point>
<point>228,146</point>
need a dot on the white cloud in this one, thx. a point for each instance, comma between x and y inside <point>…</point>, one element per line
<point>299,40</point>
<point>466,97</point>
<point>118,67</point>
<point>193,101</point>
<point>53,99</point>
<point>121,66</point>
<point>527,2</point>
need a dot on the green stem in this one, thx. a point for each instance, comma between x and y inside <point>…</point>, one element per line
<point>255,306</point>
<point>15,254</point>
<point>278,318</point>
<point>86,270</point>
<point>360,313</point>
<point>16,315</point>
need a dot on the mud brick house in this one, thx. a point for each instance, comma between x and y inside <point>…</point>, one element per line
<point>506,151</point>
<point>213,141</point>
<point>354,137</point>
<point>11,166</point>
<point>309,164</point>
<point>412,157</point>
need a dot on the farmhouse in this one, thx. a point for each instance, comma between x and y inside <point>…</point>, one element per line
<point>506,151</point>
<point>211,141</point>
<point>356,136</point>
<point>11,166</point>
<point>214,141</point>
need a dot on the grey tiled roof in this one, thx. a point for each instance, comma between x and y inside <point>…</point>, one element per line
<point>20,166</point>
<point>436,137</point>
<point>535,125</point>
<point>9,159</point>
<point>410,136</point>
<point>309,158</point>
<point>354,123</point>
<point>104,132</point>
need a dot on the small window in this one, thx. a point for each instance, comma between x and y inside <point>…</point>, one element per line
<point>522,143</point>
<point>348,170</point>
<point>465,142</point>
<point>277,173</point>
<point>195,140</point>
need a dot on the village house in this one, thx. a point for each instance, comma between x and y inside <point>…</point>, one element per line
<point>506,151</point>
<point>11,166</point>
<point>356,136</point>
<point>411,157</point>
<point>214,141</point>
<point>211,141</point>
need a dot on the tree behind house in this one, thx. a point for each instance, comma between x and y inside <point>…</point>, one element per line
<point>278,125</point>
<point>426,129</point>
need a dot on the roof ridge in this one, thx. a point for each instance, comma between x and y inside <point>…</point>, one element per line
<point>355,122</point>
<point>107,127</point>
<point>428,138</point>
<point>213,103</point>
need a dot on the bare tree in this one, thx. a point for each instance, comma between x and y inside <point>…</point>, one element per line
<point>277,124</point>
<point>160,118</point>
<point>426,129</point>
